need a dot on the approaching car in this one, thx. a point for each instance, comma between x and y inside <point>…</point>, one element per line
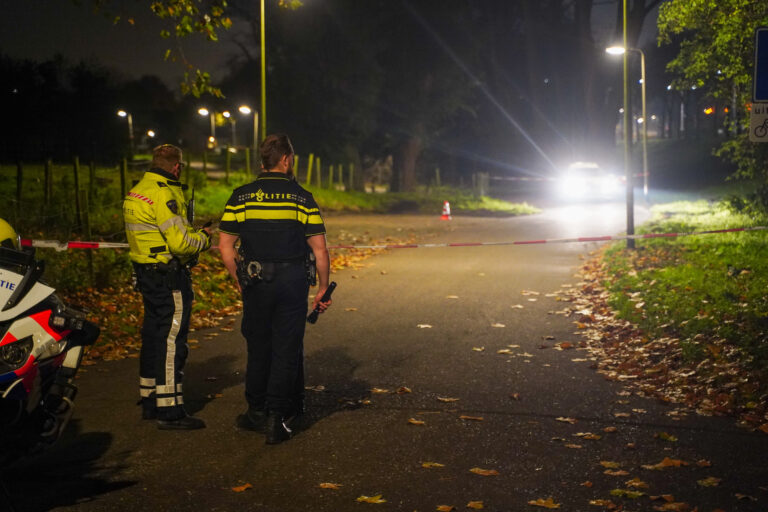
<point>587,180</point>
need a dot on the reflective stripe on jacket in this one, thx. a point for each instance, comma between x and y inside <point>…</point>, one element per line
<point>156,225</point>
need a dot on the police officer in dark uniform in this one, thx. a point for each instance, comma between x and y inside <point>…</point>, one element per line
<point>278,224</point>
<point>163,244</point>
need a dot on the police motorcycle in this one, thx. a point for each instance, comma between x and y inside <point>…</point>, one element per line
<point>41,347</point>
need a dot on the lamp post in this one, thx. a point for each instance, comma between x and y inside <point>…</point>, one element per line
<point>232,122</point>
<point>246,110</point>
<point>263,77</point>
<point>205,112</point>
<point>619,50</point>
<point>127,115</point>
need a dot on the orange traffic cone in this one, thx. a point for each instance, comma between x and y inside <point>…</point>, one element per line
<point>446,211</point>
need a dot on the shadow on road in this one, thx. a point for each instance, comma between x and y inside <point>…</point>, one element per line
<point>331,387</point>
<point>211,378</point>
<point>65,475</point>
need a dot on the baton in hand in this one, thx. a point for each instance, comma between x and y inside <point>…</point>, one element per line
<point>312,318</point>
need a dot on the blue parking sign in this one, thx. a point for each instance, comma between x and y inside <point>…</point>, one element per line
<point>760,90</point>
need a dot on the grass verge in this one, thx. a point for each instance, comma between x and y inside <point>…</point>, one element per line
<point>698,310</point>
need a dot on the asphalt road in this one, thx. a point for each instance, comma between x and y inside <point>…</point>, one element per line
<point>375,336</point>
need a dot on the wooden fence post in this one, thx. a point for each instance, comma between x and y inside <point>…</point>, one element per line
<point>19,181</point>
<point>124,177</point>
<point>309,168</point>
<point>78,206</point>
<point>91,179</point>
<point>341,175</point>
<point>330,177</point>
<point>47,185</point>
<point>437,177</point>
<point>87,225</point>
<point>227,164</point>
<point>319,174</point>
<point>351,176</point>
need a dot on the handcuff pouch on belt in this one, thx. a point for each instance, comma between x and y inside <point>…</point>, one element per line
<point>168,274</point>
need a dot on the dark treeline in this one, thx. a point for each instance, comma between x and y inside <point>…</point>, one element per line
<point>502,86</point>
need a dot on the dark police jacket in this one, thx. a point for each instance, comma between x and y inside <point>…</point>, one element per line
<point>273,216</point>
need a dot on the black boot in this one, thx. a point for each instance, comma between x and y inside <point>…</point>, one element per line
<point>254,420</point>
<point>277,431</point>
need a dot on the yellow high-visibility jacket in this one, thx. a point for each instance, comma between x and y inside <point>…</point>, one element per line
<point>155,214</point>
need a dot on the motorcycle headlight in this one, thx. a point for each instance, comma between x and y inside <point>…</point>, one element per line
<point>13,355</point>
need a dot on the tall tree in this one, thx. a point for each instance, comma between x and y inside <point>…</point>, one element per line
<point>716,55</point>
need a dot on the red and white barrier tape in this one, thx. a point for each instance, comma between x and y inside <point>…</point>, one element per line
<point>63,246</point>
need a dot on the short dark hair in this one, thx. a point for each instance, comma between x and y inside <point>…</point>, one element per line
<point>273,148</point>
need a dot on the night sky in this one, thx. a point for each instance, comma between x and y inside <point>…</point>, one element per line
<point>40,29</point>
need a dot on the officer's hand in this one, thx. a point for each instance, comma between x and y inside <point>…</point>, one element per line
<point>321,305</point>
<point>208,230</point>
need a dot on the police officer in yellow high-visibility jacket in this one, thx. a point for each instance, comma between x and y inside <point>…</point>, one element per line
<point>162,243</point>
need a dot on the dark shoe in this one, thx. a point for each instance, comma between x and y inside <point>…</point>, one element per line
<point>254,420</point>
<point>185,423</point>
<point>277,431</point>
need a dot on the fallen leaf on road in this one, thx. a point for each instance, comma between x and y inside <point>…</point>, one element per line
<point>403,390</point>
<point>319,388</point>
<point>710,481</point>
<point>513,346</point>
<point>666,497</point>
<point>477,505</point>
<point>242,488</point>
<point>371,499</point>
<point>625,493</point>
<point>329,485</point>
<point>379,391</point>
<point>564,345</point>
<point>587,484</point>
<point>414,421</point>
<point>610,464</point>
<point>445,508</point>
<point>424,326</point>
<point>515,396</point>
<point>472,418</point>
<point>573,446</point>
<point>529,292</point>
<point>432,465</point>
<point>447,399</point>
<point>227,329</point>
<point>636,483</point>
<point>673,507</point>
<point>665,437</point>
<point>520,306</point>
<point>702,463</point>
<point>566,420</point>
<point>478,349</point>
<point>579,360</point>
<point>532,300</point>
<point>498,325</point>
<point>617,472</point>
<point>740,496</point>
<point>452,297</point>
<point>608,504</point>
<point>504,351</point>
<point>350,309</point>
<point>622,414</point>
<point>383,272</point>
<point>484,472</point>
<point>610,429</point>
<point>548,503</point>
<point>763,428</point>
<point>666,463</point>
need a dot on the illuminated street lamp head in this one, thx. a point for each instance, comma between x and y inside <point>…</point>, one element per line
<point>212,139</point>
<point>616,50</point>
<point>151,133</point>
<point>226,114</point>
<point>122,113</point>
<point>244,109</point>
<point>203,111</point>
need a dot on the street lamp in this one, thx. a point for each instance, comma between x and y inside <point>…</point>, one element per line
<point>232,121</point>
<point>123,113</point>
<point>246,110</point>
<point>620,50</point>
<point>205,112</point>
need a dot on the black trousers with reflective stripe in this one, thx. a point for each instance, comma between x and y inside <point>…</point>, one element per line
<point>168,300</point>
<point>274,317</point>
